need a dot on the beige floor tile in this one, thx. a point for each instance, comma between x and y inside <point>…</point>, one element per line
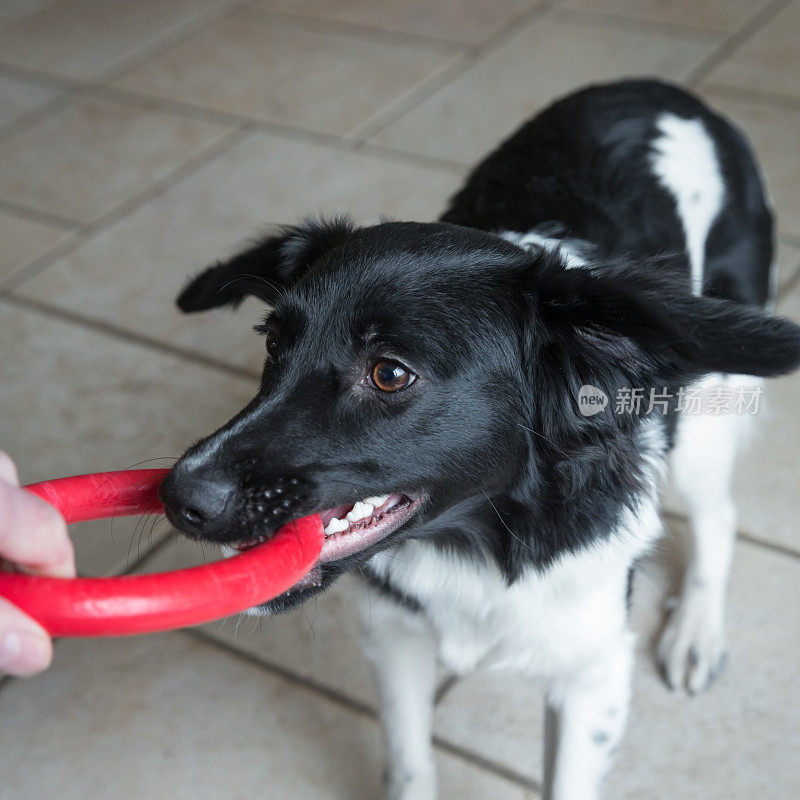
<point>766,475</point>
<point>83,160</point>
<point>773,133</point>
<point>24,240</point>
<point>788,263</point>
<point>83,38</point>
<point>768,61</point>
<point>473,113</point>
<point>740,738</point>
<point>18,97</point>
<point>324,82</point>
<point>13,10</point>
<point>129,274</point>
<point>319,642</point>
<point>716,15</point>
<point>675,746</point>
<point>470,22</point>
<point>180,719</point>
<point>72,401</point>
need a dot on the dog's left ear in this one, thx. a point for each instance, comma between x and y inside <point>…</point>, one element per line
<point>265,269</point>
<point>640,327</point>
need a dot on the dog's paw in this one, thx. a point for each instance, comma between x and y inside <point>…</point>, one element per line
<point>691,652</point>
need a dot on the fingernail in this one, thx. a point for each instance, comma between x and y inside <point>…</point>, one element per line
<point>23,653</point>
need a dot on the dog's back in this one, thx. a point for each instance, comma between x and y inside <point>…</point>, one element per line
<point>637,169</point>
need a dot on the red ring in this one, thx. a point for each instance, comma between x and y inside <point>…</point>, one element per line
<point>162,601</point>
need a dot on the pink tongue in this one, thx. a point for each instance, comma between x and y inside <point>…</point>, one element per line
<point>339,512</point>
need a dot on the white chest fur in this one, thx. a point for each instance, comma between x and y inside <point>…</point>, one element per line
<point>545,623</point>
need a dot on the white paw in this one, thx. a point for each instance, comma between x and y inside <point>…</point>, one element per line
<point>418,784</point>
<point>691,651</point>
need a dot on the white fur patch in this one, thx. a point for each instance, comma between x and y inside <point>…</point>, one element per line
<point>685,163</point>
<point>529,241</point>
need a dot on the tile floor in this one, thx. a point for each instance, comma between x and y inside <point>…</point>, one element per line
<point>140,140</point>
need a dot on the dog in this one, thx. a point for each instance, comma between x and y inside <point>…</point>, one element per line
<point>424,388</point>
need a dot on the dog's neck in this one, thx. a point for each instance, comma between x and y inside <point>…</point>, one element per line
<point>572,503</point>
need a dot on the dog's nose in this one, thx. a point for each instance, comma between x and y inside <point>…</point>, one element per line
<point>195,504</point>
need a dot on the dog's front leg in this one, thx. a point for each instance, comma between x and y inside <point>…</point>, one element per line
<point>402,648</point>
<point>585,719</point>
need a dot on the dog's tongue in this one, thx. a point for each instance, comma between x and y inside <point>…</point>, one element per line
<point>339,513</point>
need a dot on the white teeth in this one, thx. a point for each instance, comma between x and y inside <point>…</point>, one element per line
<point>377,502</point>
<point>360,510</point>
<point>336,526</point>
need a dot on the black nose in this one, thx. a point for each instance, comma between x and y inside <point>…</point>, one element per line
<point>196,504</point>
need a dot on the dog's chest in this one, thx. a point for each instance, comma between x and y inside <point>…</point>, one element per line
<point>543,624</point>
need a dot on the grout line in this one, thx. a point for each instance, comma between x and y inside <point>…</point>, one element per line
<point>30,118</point>
<point>152,550</point>
<point>128,337</point>
<point>737,38</point>
<point>59,250</point>
<point>408,99</point>
<point>445,687</point>
<point>278,129</point>
<point>128,206</point>
<point>180,32</point>
<point>488,765</point>
<point>460,66</point>
<point>586,17</point>
<point>51,79</point>
<point>45,217</point>
<point>353,705</point>
<point>784,101</point>
<point>782,549</point>
<point>744,536</point>
<point>340,698</point>
<point>182,29</point>
<point>295,20</point>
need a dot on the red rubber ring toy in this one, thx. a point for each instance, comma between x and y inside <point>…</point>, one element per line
<point>163,601</point>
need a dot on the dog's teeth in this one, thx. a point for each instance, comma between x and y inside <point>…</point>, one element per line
<point>360,510</point>
<point>336,526</point>
<point>377,502</point>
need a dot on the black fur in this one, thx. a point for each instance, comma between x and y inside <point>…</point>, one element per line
<point>489,436</point>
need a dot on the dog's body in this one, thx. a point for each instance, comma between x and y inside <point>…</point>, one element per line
<point>515,538</point>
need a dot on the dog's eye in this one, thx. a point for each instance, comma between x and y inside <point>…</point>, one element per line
<point>391,376</point>
<point>272,346</point>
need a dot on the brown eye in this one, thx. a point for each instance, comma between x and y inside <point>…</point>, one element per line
<point>391,376</point>
<point>272,346</point>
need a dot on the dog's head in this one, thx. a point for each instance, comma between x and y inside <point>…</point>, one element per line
<point>417,371</point>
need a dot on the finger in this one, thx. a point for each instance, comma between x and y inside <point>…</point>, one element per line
<point>25,647</point>
<point>8,470</point>
<point>33,534</point>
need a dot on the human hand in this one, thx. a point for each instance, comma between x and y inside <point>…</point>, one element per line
<point>33,536</point>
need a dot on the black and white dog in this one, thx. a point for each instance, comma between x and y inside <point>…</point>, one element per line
<point>422,390</point>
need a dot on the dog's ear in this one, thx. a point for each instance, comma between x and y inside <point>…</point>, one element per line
<point>265,269</point>
<point>640,327</point>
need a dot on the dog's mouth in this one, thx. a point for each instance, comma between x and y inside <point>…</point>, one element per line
<point>351,528</point>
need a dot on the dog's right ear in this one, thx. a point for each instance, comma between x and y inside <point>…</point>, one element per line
<point>265,269</point>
